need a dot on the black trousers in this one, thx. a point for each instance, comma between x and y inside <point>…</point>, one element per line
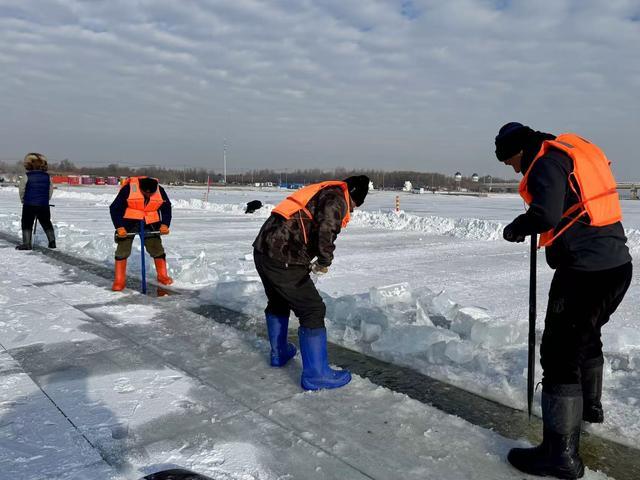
<point>290,288</point>
<point>31,212</point>
<point>580,303</point>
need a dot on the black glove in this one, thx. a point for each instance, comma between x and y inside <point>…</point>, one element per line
<point>510,235</point>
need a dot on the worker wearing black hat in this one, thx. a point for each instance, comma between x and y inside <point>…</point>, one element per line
<point>297,239</point>
<point>141,200</point>
<point>574,206</point>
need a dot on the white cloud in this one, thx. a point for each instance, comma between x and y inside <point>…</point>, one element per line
<point>368,83</point>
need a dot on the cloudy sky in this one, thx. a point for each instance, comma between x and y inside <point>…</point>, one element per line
<point>415,84</point>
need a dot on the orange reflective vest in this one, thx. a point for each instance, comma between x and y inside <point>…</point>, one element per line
<point>137,209</point>
<point>597,190</point>
<point>296,203</point>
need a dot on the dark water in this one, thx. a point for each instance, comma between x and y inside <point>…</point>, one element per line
<point>176,474</point>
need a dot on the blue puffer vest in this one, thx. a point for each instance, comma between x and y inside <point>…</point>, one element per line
<point>36,192</point>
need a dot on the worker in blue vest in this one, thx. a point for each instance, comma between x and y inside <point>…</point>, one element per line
<point>35,189</point>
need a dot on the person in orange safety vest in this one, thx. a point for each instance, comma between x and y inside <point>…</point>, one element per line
<point>140,198</point>
<point>296,240</point>
<point>573,204</point>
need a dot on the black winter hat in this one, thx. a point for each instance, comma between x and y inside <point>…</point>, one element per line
<point>511,139</point>
<point>148,184</point>
<point>358,188</point>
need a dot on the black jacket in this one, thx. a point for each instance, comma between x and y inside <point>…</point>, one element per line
<point>283,240</point>
<point>119,206</point>
<point>581,247</point>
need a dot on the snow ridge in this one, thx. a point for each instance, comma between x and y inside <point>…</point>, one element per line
<point>230,208</point>
<point>464,228</point>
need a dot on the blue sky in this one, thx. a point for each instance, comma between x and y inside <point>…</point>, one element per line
<point>413,84</point>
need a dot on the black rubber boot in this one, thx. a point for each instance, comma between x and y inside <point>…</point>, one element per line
<point>51,236</point>
<point>592,394</point>
<point>557,455</point>
<point>26,241</point>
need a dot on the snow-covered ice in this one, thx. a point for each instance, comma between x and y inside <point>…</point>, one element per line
<point>121,397</point>
<point>433,288</point>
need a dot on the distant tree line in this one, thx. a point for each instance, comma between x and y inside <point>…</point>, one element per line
<point>381,179</point>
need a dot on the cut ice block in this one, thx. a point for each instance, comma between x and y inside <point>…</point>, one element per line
<point>459,351</point>
<point>443,306</point>
<point>390,294</point>
<point>410,339</point>
<point>466,318</point>
<point>494,334</point>
<point>370,332</point>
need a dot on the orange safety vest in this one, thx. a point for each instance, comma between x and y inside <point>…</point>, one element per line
<point>597,189</point>
<point>136,207</point>
<point>296,203</point>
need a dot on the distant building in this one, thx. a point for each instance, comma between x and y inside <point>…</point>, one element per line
<point>291,186</point>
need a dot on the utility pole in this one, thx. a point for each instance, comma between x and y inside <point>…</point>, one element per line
<point>224,158</point>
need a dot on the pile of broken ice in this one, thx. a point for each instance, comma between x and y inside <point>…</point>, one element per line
<point>395,321</point>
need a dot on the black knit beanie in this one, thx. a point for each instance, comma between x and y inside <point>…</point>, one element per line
<point>511,139</point>
<point>148,184</point>
<point>515,137</point>
<point>358,188</point>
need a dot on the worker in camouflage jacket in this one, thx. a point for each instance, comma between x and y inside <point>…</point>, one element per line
<point>296,240</point>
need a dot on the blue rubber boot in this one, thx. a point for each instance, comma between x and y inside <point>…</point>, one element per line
<point>281,350</point>
<point>316,373</point>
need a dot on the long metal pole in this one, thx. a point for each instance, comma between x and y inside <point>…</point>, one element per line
<point>143,270</point>
<point>531,370</point>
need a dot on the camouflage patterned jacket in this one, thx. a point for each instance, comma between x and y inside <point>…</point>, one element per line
<point>283,240</point>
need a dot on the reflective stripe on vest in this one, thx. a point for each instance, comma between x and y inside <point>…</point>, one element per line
<point>597,188</point>
<point>296,203</point>
<point>136,207</point>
